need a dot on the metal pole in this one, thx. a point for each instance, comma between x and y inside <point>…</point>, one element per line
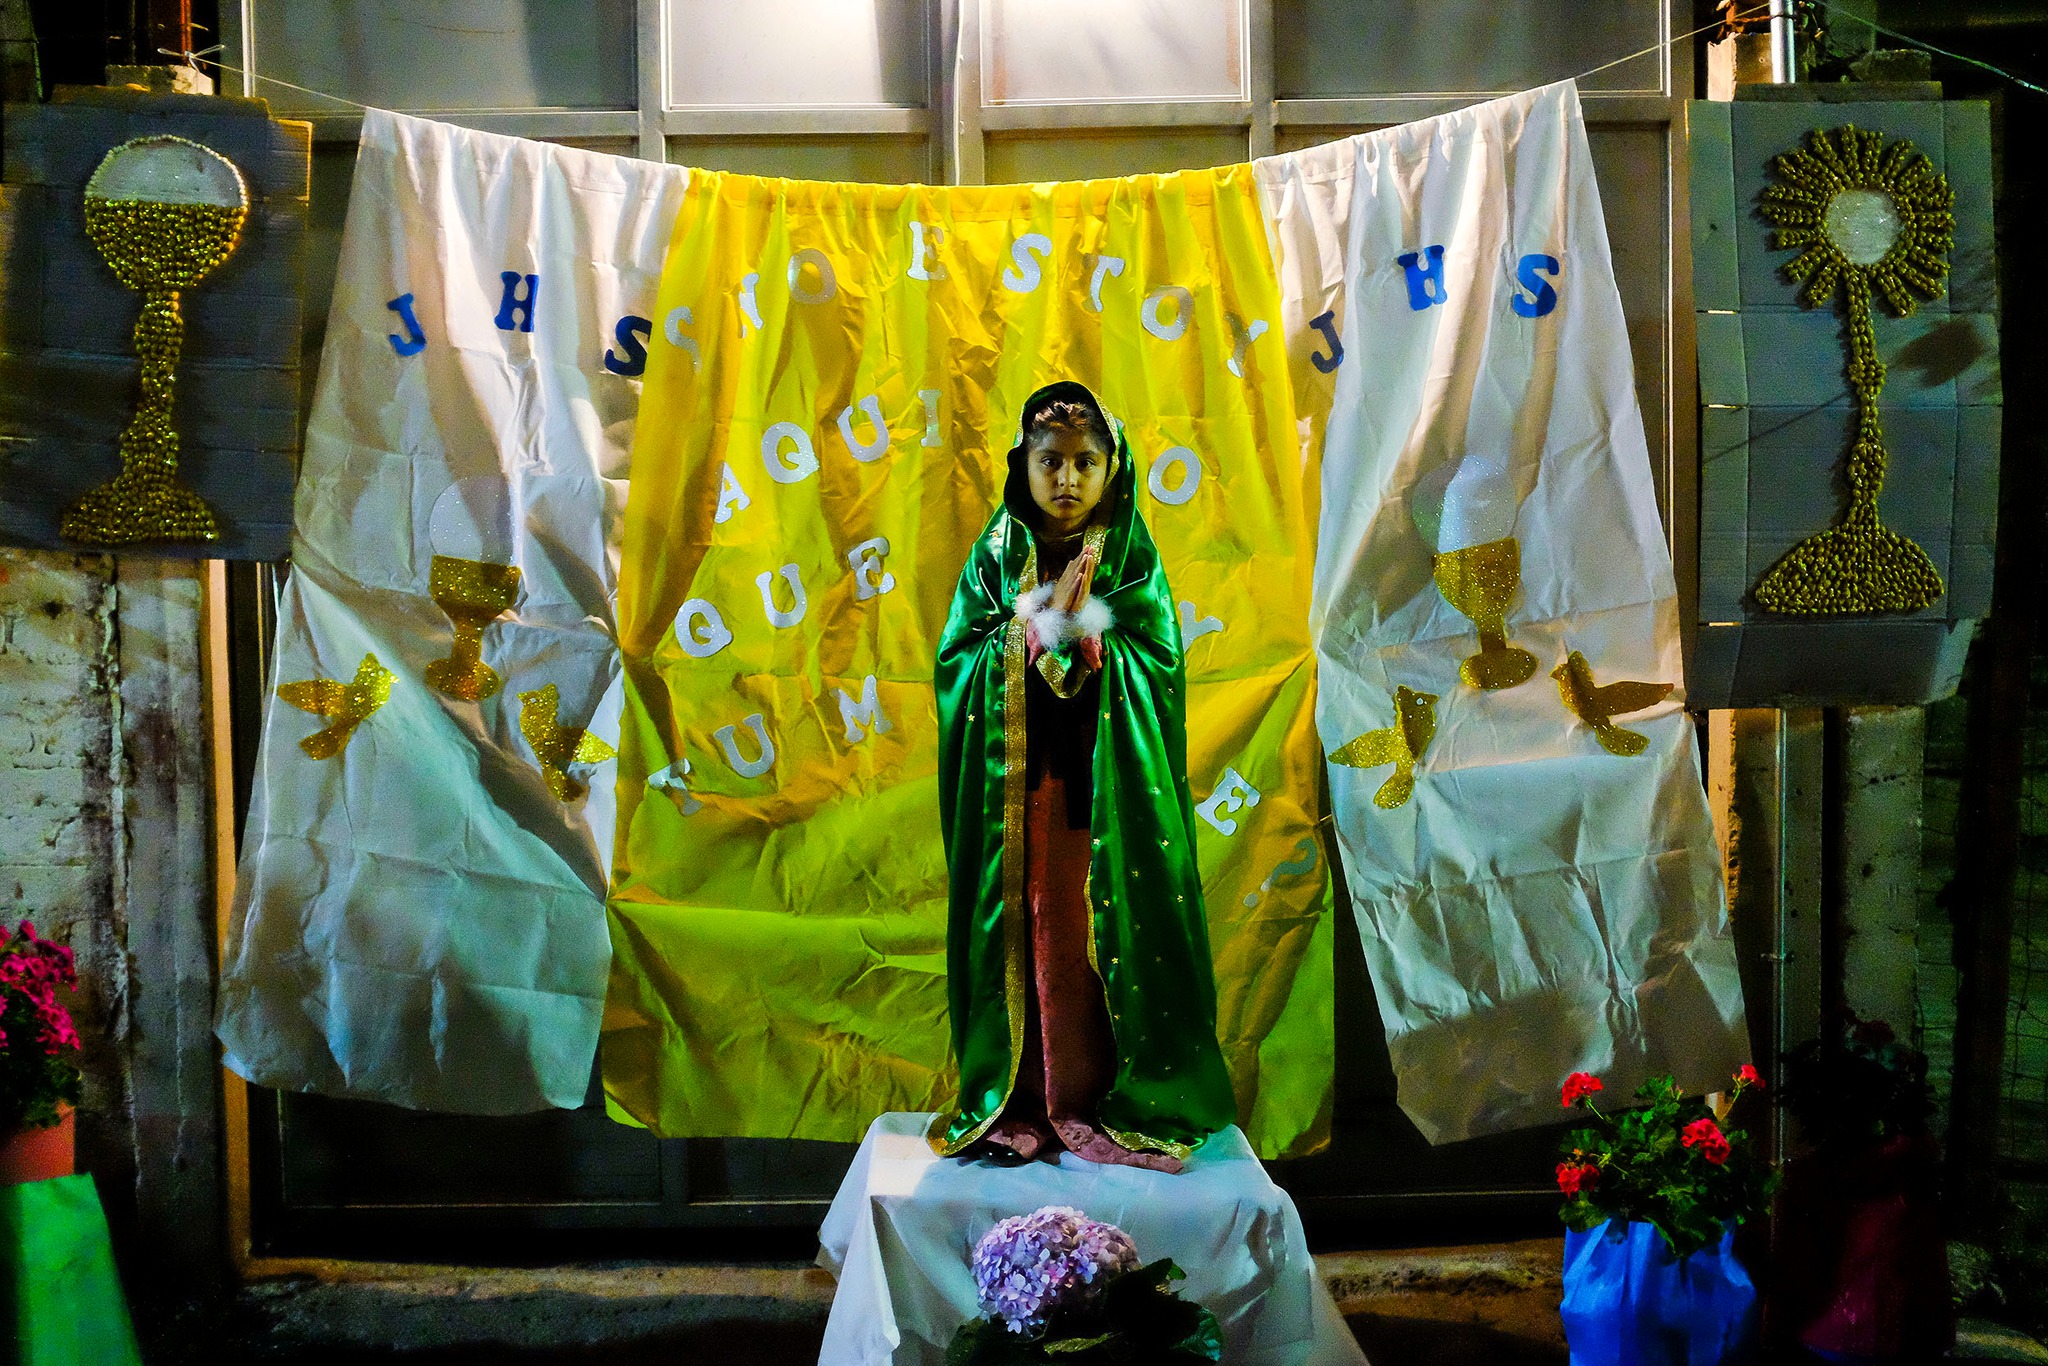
<point>1784,62</point>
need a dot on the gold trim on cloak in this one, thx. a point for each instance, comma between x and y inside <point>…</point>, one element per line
<point>1016,929</point>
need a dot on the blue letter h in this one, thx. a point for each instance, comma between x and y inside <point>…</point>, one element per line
<point>511,302</point>
<point>1425,283</point>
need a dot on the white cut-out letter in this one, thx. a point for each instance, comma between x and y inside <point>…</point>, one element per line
<point>931,417</point>
<point>700,631</point>
<point>672,328</point>
<point>1184,305</point>
<point>869,578</point>
<point>866,712</point>
<point>1190,478</point>
<point>828,283</point>
<point>1024,277</point>
<point>670,780</point>
<point>791,467</point>
<point>731,497</point>
<point>1242,338</point>
<point>781,620</point>
<point>1192,627</point>
<point>1232,793</point>
<point>750,308</point>
<point>923,262</point>
<point>1103,266</point>
<point>747,768</point>
<point>866,452</point>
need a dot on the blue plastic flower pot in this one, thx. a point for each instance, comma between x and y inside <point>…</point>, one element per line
<point>1629,1302</point>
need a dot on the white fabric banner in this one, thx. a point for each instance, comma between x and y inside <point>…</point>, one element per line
<point>1547,898</point>
<point>419,916</point>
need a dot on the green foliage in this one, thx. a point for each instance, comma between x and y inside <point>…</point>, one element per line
<point>1637,1165</point>
<point>33,1086</point>
<point>1139,1321</point>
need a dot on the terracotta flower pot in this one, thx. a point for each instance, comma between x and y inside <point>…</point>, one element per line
<point>38,1154</point>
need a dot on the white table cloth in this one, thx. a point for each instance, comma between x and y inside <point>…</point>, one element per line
<point>901,1231</point>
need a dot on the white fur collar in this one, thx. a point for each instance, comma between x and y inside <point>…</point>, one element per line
<point>1056,628</point>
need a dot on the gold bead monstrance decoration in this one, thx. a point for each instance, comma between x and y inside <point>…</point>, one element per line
<point>164,212</point>
<point>1867,217</point>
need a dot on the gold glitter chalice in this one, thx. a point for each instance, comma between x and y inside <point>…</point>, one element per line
<point>1466,508</point>
<point>473,593</point>
<point>164,213</point>
<point>1868,217</point>
<point>1480,581</point>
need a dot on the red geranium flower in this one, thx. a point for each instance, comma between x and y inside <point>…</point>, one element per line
<point>1572,1177</point>
<point>1706,1135</point>
<point>1578,1086</point>
<point>1749,1076</point>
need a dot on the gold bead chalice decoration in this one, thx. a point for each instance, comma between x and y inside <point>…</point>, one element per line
<point>1466,507</point>
<point>1868,217</point>
<point>164,212</point>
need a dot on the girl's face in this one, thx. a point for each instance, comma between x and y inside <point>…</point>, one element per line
<point>1069,470</point>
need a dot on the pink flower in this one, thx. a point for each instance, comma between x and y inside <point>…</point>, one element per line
<point>1578,1086</point>
<point>34,969</point>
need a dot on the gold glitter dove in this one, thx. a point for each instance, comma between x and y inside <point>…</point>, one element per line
<point>558,746</point>
<point>1866,217</point>
<point>1400,744</point>
<point>1597,704</point>
<point>164,212</point>
<point>347,705</point>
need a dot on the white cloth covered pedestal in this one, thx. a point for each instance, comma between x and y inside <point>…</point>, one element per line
<point>903,1227</point>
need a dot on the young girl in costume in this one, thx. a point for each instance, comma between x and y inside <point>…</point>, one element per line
<point>1083,1001</point>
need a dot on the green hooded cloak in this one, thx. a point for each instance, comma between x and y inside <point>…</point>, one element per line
<point>1151,943</point>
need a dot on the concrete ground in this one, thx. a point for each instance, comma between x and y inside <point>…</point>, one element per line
<point>1488,1305</point>
<point>1494,1304</point>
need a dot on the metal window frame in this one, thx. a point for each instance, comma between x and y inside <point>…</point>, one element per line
<point>954,109</point>
<point>957,123</point>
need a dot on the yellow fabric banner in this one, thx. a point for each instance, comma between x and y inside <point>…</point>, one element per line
<point>833,382</point>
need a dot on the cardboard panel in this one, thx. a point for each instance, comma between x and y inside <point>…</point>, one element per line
<point>1932,358</point>
<point>1724,369</point>
<point>1715,221</point>
<point>1724,513</point>
<point>1973,265</point>
<point>1774,440</point>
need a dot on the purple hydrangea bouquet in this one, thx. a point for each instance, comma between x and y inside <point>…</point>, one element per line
<point>1056,1285</point>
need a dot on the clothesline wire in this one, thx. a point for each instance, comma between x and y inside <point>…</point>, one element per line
<point>206,54</point>
<point>1654,47</point>
<point>192,58</point>
<point>1929,47</point>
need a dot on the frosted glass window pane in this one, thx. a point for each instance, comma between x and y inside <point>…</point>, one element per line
<point>445,55</point>
<point>870,160</point>
<point>1112,51</point>
<point>796,53</point>
<point>1012,160</point>
<point>1331,49</point>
